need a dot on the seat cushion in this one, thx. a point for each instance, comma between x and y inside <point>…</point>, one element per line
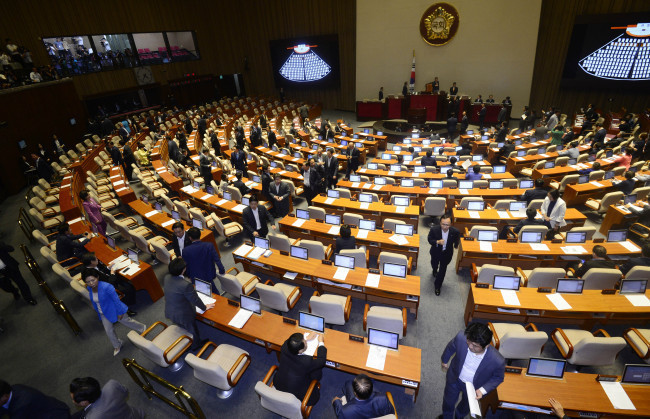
<point>167,337</point>
<point>287,290</point>
<point>226,356</point>
<point>231,229</point>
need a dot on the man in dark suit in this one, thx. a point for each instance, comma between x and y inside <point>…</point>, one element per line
<point>98,402</point>
<point>443,239</point>
<point>464,123</point>
<point>598,260</point>
<point>504,152</point>
<point>453,90</point>
<point>502,114</point>
<point>502,133</point>
<point>475,360</point>
<point>271,138</point>
<point>23,402</point>
<point>525,119</point>
<point>599,136</point>
<point>10,271</point>
<point>637,261</point>
<point>312,180</point>
<point>238,159</point>
<point>123,132</point>
<point>188,126</point>
<point>539,192</point>
<point>205,161</point>
<point>626,186</point>
<point>201,257</point>
<point>107,127</point>
<point>256,219</point>
<point>69,245</point>
<point>173,150</point>
<point>481,117</point>
<point>180,239</point>
<point>429,160</point>
<point>115,154</point>
<point>331,169</point>
<point>266,179</point>
<point>181,300</point>
<point>256,136</point>
<point>451,126</point>
<point>353,159</point>
<point>239,184</point>
<point>240,137</point>
<point>296,371</point>
<point>328,134</point>
<point>107,274</point>
<point>262,121</point>
<point>361,400</point>
<point>201,126</point>
<point>129,159</point>
<point>42,168</point>
<point>279,193</point>
<point>151,124</point>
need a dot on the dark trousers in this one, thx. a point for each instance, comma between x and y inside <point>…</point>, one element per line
<point>350,169</point>
<point>125,288</point>
<point>449,409</point>
<point>309,194</point>
<point>128,171</point>
<point>481,122</point>
<point>262,232</point>
<point>206,174</point>
<point>331,182</point>
<point>439,264</point>
<point>13,274</point>
<point>191,326</point>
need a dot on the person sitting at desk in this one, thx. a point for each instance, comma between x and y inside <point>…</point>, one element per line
<point>428,160</point>
<point>479,99</point>
<point>595,166</point>
<point>490,99</point>
<point>475,174</point>
<point>271,138</point>
<point>539,192</point>
<point>361,401</point>
<point>239,184</point>
<point>504,152</point>
<point>345,240</point>
<point>572,151</point>
<point>255,219</point>
<point>599,135</point>
<point>142,155</point>
<point>553,210</point>
<point>466,150</point>
<point>67,245</point>
<point>644,260</point>
<point>454,166</point>
<point>624,159</point>
<point>568,135</point>
<point>626,186</point>
<point>598,260</point>
<point>530,219</point>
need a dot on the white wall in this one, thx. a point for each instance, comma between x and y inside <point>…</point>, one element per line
<point>493,51</point>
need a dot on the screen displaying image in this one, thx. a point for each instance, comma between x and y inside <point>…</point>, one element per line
<point>311,321</point>
<point>308,61</point>
<point>250,304</point>
<point>382,338</point>
<point>343,261</point>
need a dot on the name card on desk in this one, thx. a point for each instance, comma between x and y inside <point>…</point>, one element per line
<point>519,158</point>
<point>206,196</point>
<point>355,184</point>
<point>119,182</point>
<point>377,187</point>
<point>433,191</point>
<point>151,213</point>
<point>399,239</point>
<point>540,247</point>
<point>573,250</point>
<point>222,202</point>
<point>243,250</point>
<point>121,189</point>
<point>463,191</point>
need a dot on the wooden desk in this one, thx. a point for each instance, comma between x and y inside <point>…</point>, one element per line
<point>615,218</point>
<point>426,175</point>
<point>575,194</point>
<point>120,185</point>
<point>586,310</point>
<point>173,182</point>
<point>492,152</point>
<point>381,140</point>
<point>577,392</point>
<point>401,292</point>
<point>515,164</point>
<point>558,172</point>
<point>402,368</point>
<point>377,211</point>
<point>462,218</point>
<point>376,242</point>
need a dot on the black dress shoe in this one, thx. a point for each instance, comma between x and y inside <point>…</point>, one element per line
<point>437,291</point>
<point>131,313</point>
<point>31,301</point>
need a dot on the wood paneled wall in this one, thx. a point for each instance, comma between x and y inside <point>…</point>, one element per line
<point>556,25</point>
<point>228,32</point>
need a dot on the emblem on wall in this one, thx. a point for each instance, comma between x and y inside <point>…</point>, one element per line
<point>439,24</point>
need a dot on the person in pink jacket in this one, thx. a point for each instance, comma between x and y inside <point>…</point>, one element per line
<point>94,211</point>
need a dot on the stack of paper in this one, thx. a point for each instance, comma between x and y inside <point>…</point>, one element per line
<point>206,300</point>
<point>312,345</point>
<point>239,207</point>
<point>463,191</point>
<point>617,395</point>
<point>474,214</point>
<point>243,250</point>
<point>503,214</point>
<point>355,184</point>
<point>377,187</point>
<point>510,298</point>
<point>638,300</point>
<point>240,319</point>
<point>433,191</point>
<point>334,230</point>
<point>376,357</point>
<point>539,247</point>
<point>485,246</point>
<point>298,222</point>
<point>221,202</point>
<point>573,250</point>
<point>373,280</point>
<point>168,223</point>
<point>362,234</point>
<point>399,239</point>
<point>629,246</point>
<point>364,205</point>
<point>400,209</point>
<point>330,201</point>
<point>151,213</point>
<point>206,196</point>
<point>290,275</point>
<point>558,301</point>
<point>256,253</point>
<point>341,273</point>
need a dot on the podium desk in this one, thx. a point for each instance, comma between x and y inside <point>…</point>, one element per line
<point>377,211</point>
<point>464,219</point>
<point>402,367</point>
<point>376,242</point>
<point>400,292</point>
<point>577,392</point>
<point>587,309</point>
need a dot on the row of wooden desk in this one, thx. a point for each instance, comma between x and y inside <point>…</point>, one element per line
<point>463,219</point>
<point>377,211</point>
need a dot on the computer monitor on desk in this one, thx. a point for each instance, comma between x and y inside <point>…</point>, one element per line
<point>408,157</point>
<point>355,178</point>
<point>395,168</point>
<point>197,223</point>
<point>386,156</point>
<point>404,229</point>
<point>299,252</point>
<point>406,183</point>
<point>157,206</point>
<point>630,199</point>
<point>343,261</point>
<point>332,219</point>
<point>609,174</point>
<point>311,322</point>
<point>401,201</point>
<point>110,242</point>
<point>250,304</point>
<point>617,235</point>
<point>521,153</point>
<point>531,237</point>
<point>372,166</point>
<point>367,225</point>
<point>496,184</point>
<point>331,193</point>
<point>499,169</point>
<point>419,169</point>
<point>546,368</point>
<point>517,206</point>
<point>227,196</point>
<point>576,237</point>
<point>549,165</point>
<point>303,214</point>
<point>475,205</point>
<point>477,157</point>
<point>569,286</point>
<point>203,287</point>
<point>365,197</point>
<point>506,282</point>
<point>488,236</point>
<point>383,338</point>
<point>380,181</point>
<point>262,242</point>
<point>394,269</point>
<point>633,286</point>
<point>465,184</point>
<point>636,374</point>
<point>526,184</point>
<point>435,184</point>
<point>133,255</point>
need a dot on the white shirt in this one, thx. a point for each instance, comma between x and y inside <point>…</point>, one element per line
<point>306,176</point>
<point>257,217</point>
<point>2,265</point>
<point>181,243</point>
<point>472,362</point>
<point>445,236</point>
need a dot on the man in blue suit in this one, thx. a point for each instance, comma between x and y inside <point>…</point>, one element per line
<point>476,361</point>
<point>361,401</point>
<point>201,258</point>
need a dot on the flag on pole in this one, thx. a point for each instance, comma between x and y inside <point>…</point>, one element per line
<point>412,83</point>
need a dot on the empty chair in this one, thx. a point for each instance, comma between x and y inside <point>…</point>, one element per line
<point>316,249</point>
<point>601,206</point>
<point>385,318</point>
<point>641,193</point>
<point>316,213</point>
<point>503,204</point>
<point>514,341</point>
<point>541,277</point>
<point>161,253</point>
<point>466,200</point>
<point>485,274</point>
<point>344,193</point>
<point>45,223</point>
<point>473,232</point>
<point>580,347</point>
<point>335,309</point>
<point>226,230</point>
<point>222,368</point>
<point>360,256</point>
<point>47,212</point>
<point>638,272</point>
<point>449,183</point>
<point>510,183</point>
<point>528,171</point>
<point>589,232</point>
<point>166,348</point>
<point>596,175</point>
<point>395,258</point>
<point>44,239</point>
<point>352,219</point>
<point>390,223</point>
<point>562,161</point>
<point>280,297</point>
<point>280,242</point>
<point>282,403</point>
<point>234,193</point>
<point>535,204</point>
<point>480,184</point>
<point>47,188</point>
<point>197,214</point>
<point>601,278</point>
<point>639,341</point>
<point>48,199</point>
<point>566,180</point>
<point>434,207</point>
<point>239,283</point>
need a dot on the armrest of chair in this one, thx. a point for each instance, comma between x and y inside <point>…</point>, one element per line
<point>328,251</point>
<point>392,402</point>
<point>565,339</point>
<point>365,316</point>
<point>71,267</point>
<point>315,294</point>
<point>602,332</point>
<point>255,277</point>
<point>241,358</point>
<point>181,352</point>
<point>571,271</point>
<point>304,409</point>
<point>403,321</point>
<point>639,226</point>
<point>205,347</point>
<point>466,232</point>
<point>473,272</point>
<point>408,264</point>
<point>296,289</point>
<point>524,278</point>
<point>495,337</point>
<point>531,326</point>
<point>49,212</point>
<point>143,334</point>
<point>640,336</point>
<point>269,282</point>
<point>348,308</point>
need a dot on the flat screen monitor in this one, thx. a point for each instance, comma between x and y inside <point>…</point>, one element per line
<point>299,252</point>
<point>311,322</point>
<point>591,158</point>
<point>274,164</point>
<point>197,185</point>
<point>395,167</point>
<point>616,235</point>
<point>521,153</point>
<point>484,137</point>
<point>302,213</point>
<point>417,148</point>
<point>488,235</point>
<point>526,183</point>
<point>406,183</point>
<point>355,136</point>
<point>380,133</point>
<point>110,242</point>
<point>144,199</point>
<point>355,178</point>
<point>245,200</point>
<point>343,261</point>
<point>477,157</point>
<point>636,374</point>
<point>465,184</point>
<point>250,304</point>
<point>401,201</point>
<point>470,132</point>
<point>365,197</point>
<point>496,184</point>
<point>517,142</point>
<point>315,146</point>
<point>262,242</point>
<point>404,229</point>
<point>408,157</point>
<point>257,179</point>
<point>541,150</point>
<point>569,286</point>
<point>546,368</point>
<point>331,193</point>
<point>344,142</point>
<point>500,145</point>
<point>609,174</point>
<point>197,223</point>
<point>583,179</point>
<point>367,225</point>
<point>203,287</point>
<point>383,338</point>
<point>458,148</point>
<point>630,199</point>
<point>633,286</point>
<point>415,135</point>
<point>397,148</point>
<point>517,206</point>
<point>175,215</point>
<point>419,169</point>
<point>227,196</point>
<point>576,237</point>
<point>386,156</point>
<point>436,149</point>
<point>133,255</point>
<point>531,237</point>
<point>506,282</point>
<point>499,169</point>
<point>380,181</point>
<point>435,183</point>
<point>332,219</point>
<point>476,205</point>
<point>609,153</point>
<point>393,269</point>
<point>297,155</point>
<point>559,148</point>
<point>210,190</point>
<point>372,166</point>
<point>549,165</point>
<point>157,206</point>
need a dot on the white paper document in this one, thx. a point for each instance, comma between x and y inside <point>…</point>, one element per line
<point>362,234</point>
<point>463,191</point>
<point>341,273</point>
<point>377,187</point>
<point>391,173</point>
<point>168,223</point>
<point>206,300</point>
<point>355,184</point>
<point>487,176</point>
<point>372,280</point>
<point>299,222</point>
<point>593,182</point>
<point>376,357</point>
<point>290,275</point>
<point>76,220</point>
<point>503,214</point>
<point>638,300</point>
<point>121,189</point>
<point>312,345</point>
<point>256,253</point>
<point>558,301</point>
<point>539,247</point>
<point>573,250</point>
<point>119,182</point>
<point>400,210</point>
<point>243,250</point>
<point>240,319</point>
<point>617,395</point>
<point>474,408</point>
<point>399,239</point>
<point>510,298</point>
<point>629,246</point>
<point>330,200</point>
<point>151,213</point>
<point>114,176</point>
<point>239,208</point>
<point>361,170</point>
<point>519,158</point>
<point>130,270</point>
<point>221,202</point>
<point>206,196</point>
<point>474,214</point>
<point>334,230</point>
<point>485,246</point>
<point>364,205</point>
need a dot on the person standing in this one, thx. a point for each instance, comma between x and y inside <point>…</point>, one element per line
<point>475,361</point>
<point>108,402</point>
<point>206,166</point>
<point>180,239</point>
<point>129,160</point>
<point>361,400</point>
<point>443,239</point>
<point>173,151</point>
<point>353,159</point>
<point>42,168</point>
<point>381,93</point>
<point>266,182</point>
<point>451,127</point>
<point>23,402</point>
<point>238,159</point>
<point>181,300</point>
<point>109,308</point>
<point>464,123</point>
<point>271,137</point>
<point>331,169</point>
<point>311,180</point>
<point>553,210</point>
<point>256,219</point>
<point>280,194</point>
<point>405,89</point>
<point>436,85</point>
<point>94,211</point>
<point>107,274</point>
<point>453,90</point>
<point>481,116</point>
<point>201,257</point>
<point>10,271</point>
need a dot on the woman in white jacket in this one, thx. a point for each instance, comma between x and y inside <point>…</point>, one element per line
<point>553,210</point>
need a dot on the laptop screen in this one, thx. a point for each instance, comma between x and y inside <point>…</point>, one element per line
<point>383,338</point>
<point>393,269</point>
<point>408,158</point>
<point>175,215</point>
<point>404,229</point>
<point>372,166</point>
<point>197,185</point>
<point>299,252</point>
<point>386,156</point>
<point>250,304</point>
<point>367,225</point>
<point>301,213</point>
<point>227,196</point>
<point>133,255</point>
<point>465,184</point>
<point>257,179</point>
<point>354,178</point>
<point>197,223</point>
<point>210,190</point>
<point>477,157</point>
<point>407,183</point>
<point>332,219</point>
<point>203,287</point>
<point>476,205</point>
<point>344,142</point>
<point>311,322</point>
<point>569,286</point>
<point>526,184</point>
<point>436,183</point>
<point>572,162</point>
<point>331,193</point>
<point>583,179</point>
<point>616,235</point>
<point>380,133</point>
<point>365,197</point>
<point>576,237</point>
<point>157,206</point>
<point>521,153</point>
<point>531,237</point>
<point>401,201</point>
<point>636,374</point>
<point>633,286</point>
<point>419,169</point>
<point>549,165</point>
<point>262,242</point>
<point>545,367</point>
<point>395,167</point>
<point>110,242</point>
<point>496,184</point>
<point>498,169</point>
<point>503,282</point>
<point>488,235</point>
<point>609,174</point>
<point>630,199</point>
<point>541,150</point>
<point>355,136</point>
<point>343,261</point>
<point>380,181</point>
<point>517,206</point>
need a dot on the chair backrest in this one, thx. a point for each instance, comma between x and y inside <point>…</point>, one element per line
<point>473,232</point>
<point>386,318</point>
<point>597,175</point>
<point>390,257</point>
<point>168,202</point>
<point>390,223</point>
<point>596,351</point>
<point>329,307</point>
<point>589,230</point>
<point>42,238</point>
<point>316,249</point>
<point>162,254</point>
<point>618,171</point>
<point>435,206</point>
<point>352,219</point>
<point>184,212</point>
<point>316,213</point>
<point>149,348</point>
<point>44,184</point>
<point>49,255</point>
<point>601,278</point>
<point>568,180</point>
<point>519,344</point>
<point>80,289</point>
<point>62,272</point>
<point>209,371</point>
<point>230,284</point>
<point>36,215</point>
<point>536,204</point>
<point>343,193</point>
<point>279,402</point>
<point>529,228</point>
<point>198,215</point>
<point>503,204</point>
<point>272,297</point>
<point>449,183</point>
<point>466,200</point>
<point>545,277</point>
<point>37,203</point>
<point>39,192</point>
<point>641,193</point>
<point>359,256</point>
<point>124,230</point>
<point>562,161</point>
<point>279,241</point>
<point>291,186</point>
<point>488,271</point>
<point>638,272</point>
<point>140,242</point>
<point>609,200</point>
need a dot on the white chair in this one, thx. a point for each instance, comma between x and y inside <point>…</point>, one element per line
<point>602,205</point>
<point>541,277</point>
<point>639,341</point>
<point>316,213</point>
<point>334,308</point>
<point>601,278</point>
<point>161,253</point>
<point>434,207</point>
<point>395,258</point>
<point>351,219</point>
<point>514,341</point>
<point>390,223</point>
<point>385,318</point>
<point>282,403</point>
<point>226,230</point>
<point>280,242</point>
<point>166,348</point>
<point>360,256</point>
<point>532,228</point>
<point>580,347</point>
<point>316,249</point>
<point>46,223</point>
<point>236,285</point>
<point>638,272</point>
<point>222,368</point>
<point>485,274</point>
<point>280,297</point>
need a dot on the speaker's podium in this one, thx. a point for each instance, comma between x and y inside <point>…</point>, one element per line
<point>417,116</point>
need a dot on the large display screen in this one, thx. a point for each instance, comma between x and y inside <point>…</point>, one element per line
<point>306,62</point>
<point>609,51</point>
